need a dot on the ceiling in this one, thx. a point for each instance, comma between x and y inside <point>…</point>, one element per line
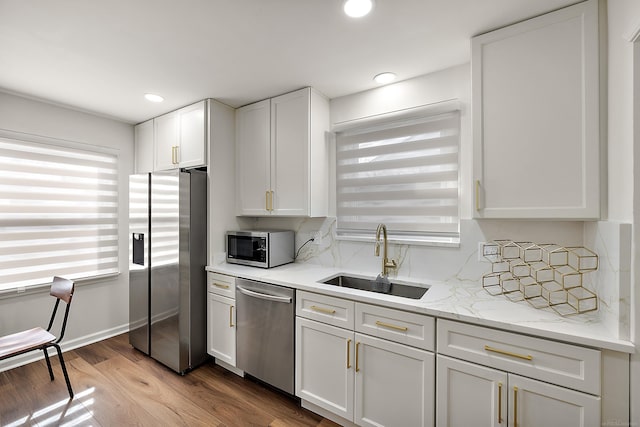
<point>103,56</point>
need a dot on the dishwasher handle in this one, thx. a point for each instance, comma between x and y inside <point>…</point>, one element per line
<point>286,300</point>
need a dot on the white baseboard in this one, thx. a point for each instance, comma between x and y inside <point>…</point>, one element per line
<point>66,345</point>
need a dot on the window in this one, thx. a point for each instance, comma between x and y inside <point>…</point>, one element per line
<point>58,213</point>
<point>403,174</point>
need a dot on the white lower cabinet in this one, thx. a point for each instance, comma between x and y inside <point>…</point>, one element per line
<point>534,403</point>
<point>488,388</point>
<point>470,394</point>
<point>363,379</point>
<point>221,318</point>
<point>324,366</point>
<point>394,384</point>
<point>221,328</point>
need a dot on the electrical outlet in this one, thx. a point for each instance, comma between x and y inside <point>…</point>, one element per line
<point>486,250</point>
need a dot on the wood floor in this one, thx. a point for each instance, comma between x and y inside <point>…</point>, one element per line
<point>116,385</point>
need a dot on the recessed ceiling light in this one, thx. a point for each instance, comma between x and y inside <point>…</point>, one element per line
<point>384,78</point>
<point>153,98</point>
<point>357,8</point>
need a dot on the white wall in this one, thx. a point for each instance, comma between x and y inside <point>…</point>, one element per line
<point>623,15</point>
<point>624,174</point>
<point>222,179</point>
<point>99,309</point>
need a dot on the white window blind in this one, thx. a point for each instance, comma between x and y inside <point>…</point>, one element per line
<point>58,213</point>
<point>403,174</point>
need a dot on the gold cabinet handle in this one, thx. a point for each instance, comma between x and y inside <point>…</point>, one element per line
<point>390,326</point>
<point>508,353</point>
<point>515,407</point>
<point>221,285</point>
<point>477,195</point>
<point>348,353</point>
<point>231,316</point>
<point>267,197</point>
<point>271,200</point>
<point>177,154</point>
<point>499,403</point>
<point>322,309</point>
<point>357,357</point>
<point>174,154</point>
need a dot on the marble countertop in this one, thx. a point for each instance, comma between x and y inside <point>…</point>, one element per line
<point>461,301</point>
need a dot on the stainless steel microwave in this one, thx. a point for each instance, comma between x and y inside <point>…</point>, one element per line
<point>264,249</point>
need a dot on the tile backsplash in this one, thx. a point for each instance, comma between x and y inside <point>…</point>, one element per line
<point>423,263</point>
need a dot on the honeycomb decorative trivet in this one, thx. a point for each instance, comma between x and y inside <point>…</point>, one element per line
<point>544,275</point>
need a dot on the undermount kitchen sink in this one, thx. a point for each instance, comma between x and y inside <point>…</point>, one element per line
<point>371,285</point>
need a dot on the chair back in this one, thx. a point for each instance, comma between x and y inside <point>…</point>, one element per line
<point>62,289</point>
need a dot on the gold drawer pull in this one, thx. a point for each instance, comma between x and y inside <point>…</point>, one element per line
<point>322,309</point>
<point>231,316</point>
<point>357,357</point>
<point>348,354</point>
<point>388,325</point>
<point>221,285</point>
<point>508,353</point>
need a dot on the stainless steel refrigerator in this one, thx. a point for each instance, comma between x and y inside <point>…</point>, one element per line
<point>167,257</point>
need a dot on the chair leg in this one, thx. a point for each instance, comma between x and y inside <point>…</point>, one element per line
<point>64,370</point>
<point>46,357</point>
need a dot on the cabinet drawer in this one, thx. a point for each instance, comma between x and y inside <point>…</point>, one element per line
<point>554,362</point>
<point>221,284</point>
<point>400,326</point>
<point>334,311</point>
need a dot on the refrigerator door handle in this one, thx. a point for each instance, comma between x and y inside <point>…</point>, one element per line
<point>249,293</point>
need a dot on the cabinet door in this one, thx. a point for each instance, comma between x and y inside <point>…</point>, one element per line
<point>468,394</point>
<point>325,366</point>
<point>144,147</point>
<point>221,328</point>
<point>192,147</point>
<point>394,384</point>
<point>167,129</point>
<point>534,403</point>
<point>253,161</point>
<point>535,89</point>
<point>290,139</point>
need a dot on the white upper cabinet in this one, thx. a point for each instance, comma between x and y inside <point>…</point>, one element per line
<point>253,124</point>
<point>536,121</point>
<point>282,156</point>
<point>144,147</point>
<point>192,148</point>
<point>180,138</point>
<point>166,140</point>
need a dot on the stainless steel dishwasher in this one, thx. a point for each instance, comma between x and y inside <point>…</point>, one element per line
<point>265,319</point>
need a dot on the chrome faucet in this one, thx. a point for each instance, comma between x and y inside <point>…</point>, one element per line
<point>386,262</point>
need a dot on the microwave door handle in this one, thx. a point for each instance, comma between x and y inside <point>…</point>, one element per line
<point>261,295</point>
